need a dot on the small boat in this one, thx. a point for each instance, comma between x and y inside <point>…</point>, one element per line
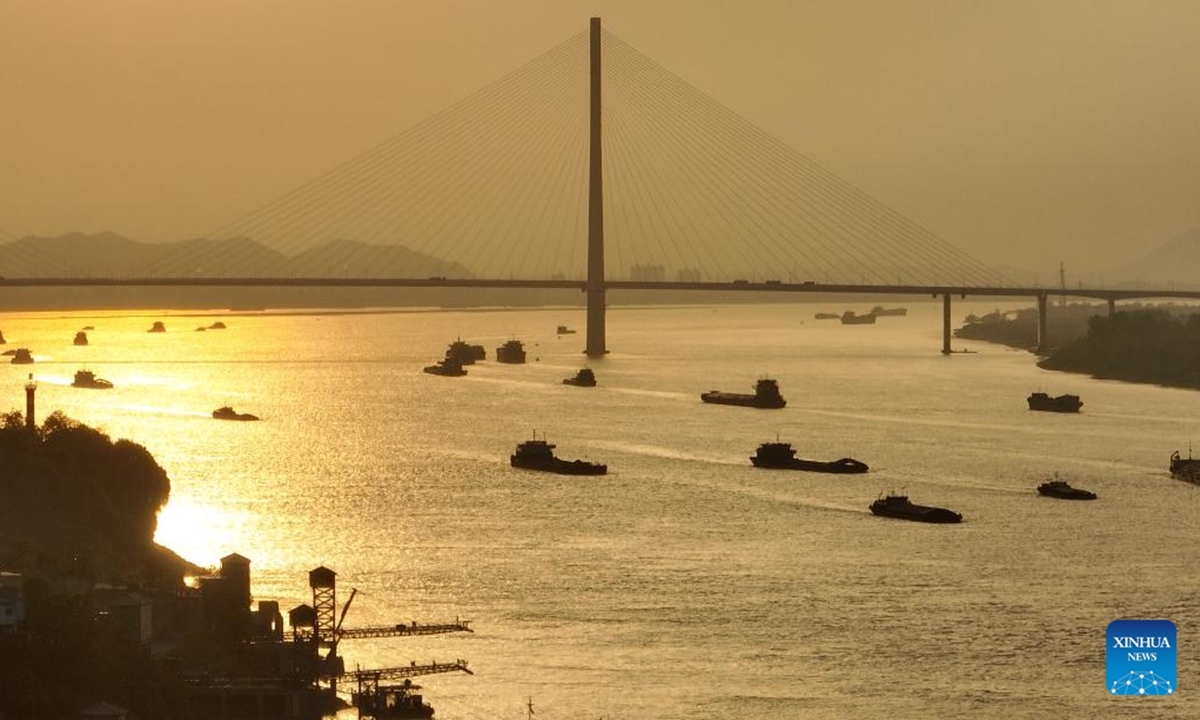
<point>564,330</point>
<point>898,506</point>
<point>228,413</point>
<point>1061,489</point>
<point>826,316</point>
<point>80,338</point>
<point>781,456</point>
<point>1185,468</point>
<point>157,327</point>
<point>464,353</point>
<point>447,367</point>
<point>539,455</point>
<point>218,325</point>
<point>88,379</point>
<point>21,356</point>
<point>584,378</point>
<point>880,311</point>
<point>391,702</point>
<point>849,318</point>
<point>1061,403</point>
<point>512,352</point>
<point>202,329</point>
<point>766,395</point>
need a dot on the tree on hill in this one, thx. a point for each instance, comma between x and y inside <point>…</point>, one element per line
<point>77,502</point>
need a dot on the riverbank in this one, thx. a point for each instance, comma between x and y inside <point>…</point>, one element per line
<point>1157,345</point>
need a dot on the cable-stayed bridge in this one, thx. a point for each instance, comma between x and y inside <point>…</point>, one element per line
<point>589,167</point>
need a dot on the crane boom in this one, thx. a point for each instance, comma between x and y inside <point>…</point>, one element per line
<point>399,673</point>
<point>382,631</point>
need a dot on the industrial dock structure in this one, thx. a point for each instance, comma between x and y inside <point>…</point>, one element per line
<point>224,660</point>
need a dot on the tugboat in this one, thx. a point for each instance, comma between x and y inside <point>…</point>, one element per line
<point>80,338</point>
<point>391,702</point>
<point>1185,468</point>
<point>1062,403</point>
<point>157,327</point>
<point>1061,489</point>
<point>464,353</point>
<point>766,395</point>
<point>539,455</point>
<point>227,413</point>
<point>584,378</point>
<point>898,506</point>
<point>21,356</point>
<point>849,318</point>
<point>564,330</point>
<point>448,367</point>
<point>88,379</point>
<point>781,456</point>
<point>512,352</point>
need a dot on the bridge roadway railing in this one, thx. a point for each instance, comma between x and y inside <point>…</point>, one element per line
<point>945,291</point>
<point>736,285</point>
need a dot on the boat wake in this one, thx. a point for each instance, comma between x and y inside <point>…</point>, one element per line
<point>660,452</point>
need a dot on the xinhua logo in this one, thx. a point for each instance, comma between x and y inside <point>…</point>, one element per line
<point>1141,657</point>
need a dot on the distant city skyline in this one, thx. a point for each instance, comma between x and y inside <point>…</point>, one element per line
<point>1022,133</point>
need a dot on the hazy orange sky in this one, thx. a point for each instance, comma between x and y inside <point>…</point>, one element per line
<point>1023,132</point>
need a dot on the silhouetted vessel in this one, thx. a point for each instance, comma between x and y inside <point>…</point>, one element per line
<point>539,455</point>
<point>1061,489</point>
<point>849,318</point>
<point>2,340</point>
<point>880,311</point>
<point>826,316</point>
<point>447,368</point>
<point>898,506</point>
<point>512,352</point>
<point>584,378</point>
<point>1185,468</point>
<point>564,330</point>
<point>157,327</point>
<point>1061,403</point>
<point>766,395</point>
<point>88,379</point>
<point>781,456</point>
<point>228,413</point>
<point>391,702</point>
<point>465,353</point>
<point>218,325</point>
<point>21,356</point>
<point>80,338</point>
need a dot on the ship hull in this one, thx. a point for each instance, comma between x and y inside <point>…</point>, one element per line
<point>557,466</point>
<point>1068,494</point>
<point>742,400</point>
<point>916,513</point>
<point>1187,470</point>
<point>844,466</point>
<point>1060,404</point>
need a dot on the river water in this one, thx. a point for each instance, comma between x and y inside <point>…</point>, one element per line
<point>685,583</point>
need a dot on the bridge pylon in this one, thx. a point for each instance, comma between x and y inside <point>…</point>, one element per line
<point>596,345</point>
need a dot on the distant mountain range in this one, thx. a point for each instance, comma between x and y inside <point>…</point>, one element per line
<point>1173,264</point>
<point>107,254</point>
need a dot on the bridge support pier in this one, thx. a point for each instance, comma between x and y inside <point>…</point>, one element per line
<point>1112,307</point>
<point>946,324</point>
<point>1043,334</point>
